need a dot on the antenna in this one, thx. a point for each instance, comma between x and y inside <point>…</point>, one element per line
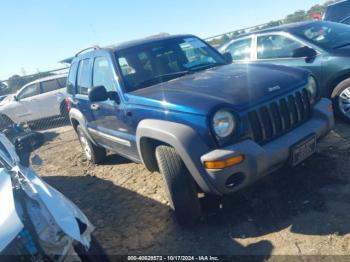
<point>95,47</point>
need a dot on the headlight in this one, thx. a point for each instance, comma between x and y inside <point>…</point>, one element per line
<point>224,123</point>
<point>312,89</point>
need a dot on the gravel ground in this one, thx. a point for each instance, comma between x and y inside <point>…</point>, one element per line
<point>299,211</point>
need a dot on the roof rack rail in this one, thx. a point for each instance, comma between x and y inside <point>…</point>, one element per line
<point>95,47</point>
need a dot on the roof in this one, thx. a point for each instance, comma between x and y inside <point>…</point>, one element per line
<point>133,43</point>
<point>47,78</point>
<point>338,2</point>
<point>146,40</point>
<point>285,27</point>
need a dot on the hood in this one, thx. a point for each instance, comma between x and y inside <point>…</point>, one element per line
<point>236,85</point>
<point>10,223</point>
<point>7,99</point>
<point>344,51</point>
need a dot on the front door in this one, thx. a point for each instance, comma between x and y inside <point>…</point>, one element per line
<point>278,49</point>
<point>109,119</point>
<point>26,104</point>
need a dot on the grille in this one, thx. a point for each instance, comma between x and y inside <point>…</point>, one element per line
<point>280,116</point>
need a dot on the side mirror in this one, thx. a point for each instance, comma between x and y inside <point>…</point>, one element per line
<point>113,95</point>
<point>98,94</point>
<point>227,57</point>
<point>305,51</point>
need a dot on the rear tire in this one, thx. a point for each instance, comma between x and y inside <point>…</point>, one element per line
<point>341,100</point>
<point>94,154</point>
<point>64,111</point>
<point>179,186</point>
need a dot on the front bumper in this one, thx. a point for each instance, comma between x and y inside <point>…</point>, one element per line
<point>262,160</point>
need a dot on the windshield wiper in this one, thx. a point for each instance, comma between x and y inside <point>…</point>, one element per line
<point>204,66</point>
<point>179,73</point>
<point>340,46</point>
<point>159,78</point>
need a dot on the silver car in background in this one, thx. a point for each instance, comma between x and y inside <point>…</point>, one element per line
<point>40,99</point>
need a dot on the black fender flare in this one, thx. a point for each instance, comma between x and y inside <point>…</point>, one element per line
<point>184,139</point>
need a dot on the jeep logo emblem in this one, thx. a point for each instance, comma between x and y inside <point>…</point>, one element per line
<point>275,88</point>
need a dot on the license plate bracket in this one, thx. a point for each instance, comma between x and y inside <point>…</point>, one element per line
<point>303,150</point>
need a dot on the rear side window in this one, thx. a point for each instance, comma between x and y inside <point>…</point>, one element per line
<point>276,46</point>
<point>83,77</point>
<point>49,86</point>
<point>72,78</point>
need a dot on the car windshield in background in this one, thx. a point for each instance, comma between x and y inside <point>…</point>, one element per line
<point>326,35</point>
<point>161,61</point>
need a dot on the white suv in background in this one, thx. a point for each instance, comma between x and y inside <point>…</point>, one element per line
<point>42,98</point>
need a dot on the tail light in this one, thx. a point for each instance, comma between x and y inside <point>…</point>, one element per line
<point>68,104</point>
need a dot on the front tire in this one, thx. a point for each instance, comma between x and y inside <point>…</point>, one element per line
<point>93,153</point>
<point>179,186</point>
<point>341,100</point>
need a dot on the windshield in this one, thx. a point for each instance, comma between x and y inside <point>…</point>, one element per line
<point>327,35</point>
<point>160,61</point>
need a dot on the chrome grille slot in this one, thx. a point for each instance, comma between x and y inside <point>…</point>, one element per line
<point>278,117</point>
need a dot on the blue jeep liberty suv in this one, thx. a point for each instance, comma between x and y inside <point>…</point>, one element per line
<point>181,108</point>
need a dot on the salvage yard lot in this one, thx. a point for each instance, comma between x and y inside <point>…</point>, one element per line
<point>305,210</point>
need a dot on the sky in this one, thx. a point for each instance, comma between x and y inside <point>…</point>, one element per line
<point>36,34</point>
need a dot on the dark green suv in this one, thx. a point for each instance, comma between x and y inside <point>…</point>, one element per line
<point>321,47</point>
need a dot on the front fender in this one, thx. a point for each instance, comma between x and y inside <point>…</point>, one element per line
<point>76,115</point>
<point>185,140</point>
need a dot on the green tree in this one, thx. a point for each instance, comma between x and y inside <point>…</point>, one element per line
<point>15,82</point>
<point>3,88</point>
<point>224,39</point>
<point>297,16</point>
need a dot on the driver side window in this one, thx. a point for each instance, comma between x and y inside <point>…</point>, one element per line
<point>29,91</point>
<point>276,46</point>
<point>102,74</point>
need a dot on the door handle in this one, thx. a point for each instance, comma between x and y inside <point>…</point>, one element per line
<point>95,107</point>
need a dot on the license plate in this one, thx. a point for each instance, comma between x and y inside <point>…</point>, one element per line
<point>303,150</point>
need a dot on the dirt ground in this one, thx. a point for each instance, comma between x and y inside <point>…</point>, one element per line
<point>305,210</point>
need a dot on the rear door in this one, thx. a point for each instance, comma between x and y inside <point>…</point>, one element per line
<point>83,83</point>
<point>52,94</point>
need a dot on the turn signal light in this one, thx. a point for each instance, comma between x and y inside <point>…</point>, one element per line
<point>220,164</point>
